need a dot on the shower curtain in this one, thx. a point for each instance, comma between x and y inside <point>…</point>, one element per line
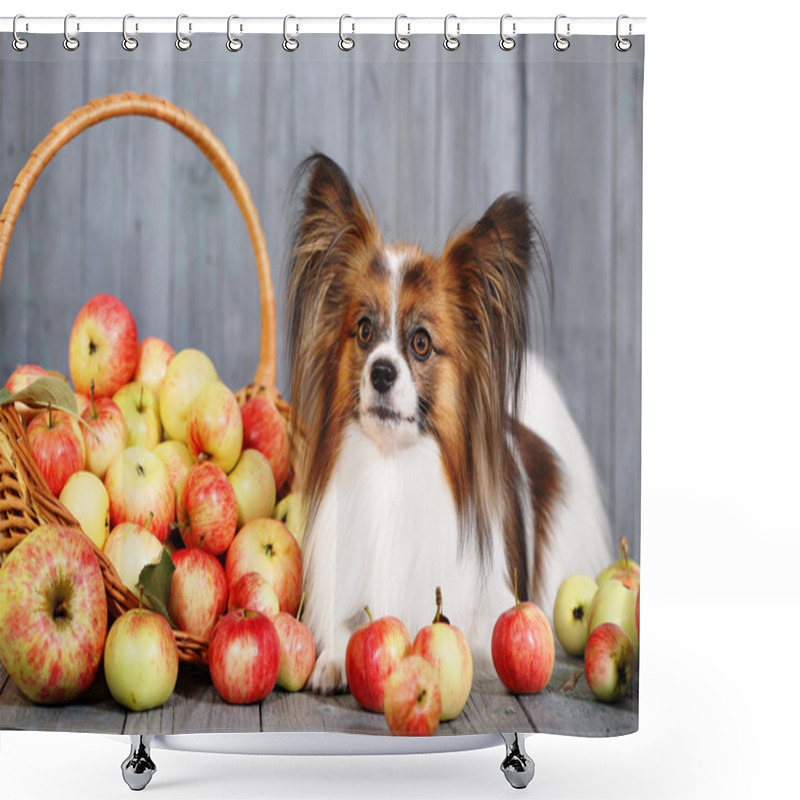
<point>322,400</point>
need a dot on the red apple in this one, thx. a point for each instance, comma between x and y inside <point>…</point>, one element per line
<point>207,509</point>
<point>153,359</point>
<point>57,446</point>
<point>138,486</point>
<point>608,661</point>
<point>412,700</point>
<point>253,591</point>
<point>141,660</point>
<point>244,656</point>
<point>638,592</point>
<point>177,459</point>
<point>83,402</point>
<point>523,647</point>
<point>20,379</point>
<point>103,346</point>
<point>198,594</point>
<point>373,651</point>
<point>445,648</point>
<point>104,435</point>
<point>266,546</point>
<point>297,652</point>
<point>265,431</point>
<point>53,614</point>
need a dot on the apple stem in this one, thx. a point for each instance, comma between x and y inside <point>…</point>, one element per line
<point>572,682</point>
<point>623,555</point>
<point>300,607</point>
<point>91,398</point>
<point>369,613</point>
<point>149,520</point>
<point>438,603</point>
<point>141,398</point>
<point>516,593</point>
<point>49,415</point>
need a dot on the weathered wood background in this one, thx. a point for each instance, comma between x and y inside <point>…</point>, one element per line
<point>432,137</point>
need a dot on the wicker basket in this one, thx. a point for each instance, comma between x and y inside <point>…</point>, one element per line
<point>25,498</point>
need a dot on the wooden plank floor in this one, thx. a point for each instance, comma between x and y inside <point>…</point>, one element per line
<point>195,707</point>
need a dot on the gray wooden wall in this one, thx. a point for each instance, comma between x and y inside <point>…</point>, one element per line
<point>432,137</point>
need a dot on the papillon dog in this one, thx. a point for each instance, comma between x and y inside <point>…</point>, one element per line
<point>436,448</point>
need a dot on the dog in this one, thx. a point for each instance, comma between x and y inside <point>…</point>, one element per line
<point>437,449</point>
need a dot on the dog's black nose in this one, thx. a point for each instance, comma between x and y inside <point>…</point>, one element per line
<point>383,376</point>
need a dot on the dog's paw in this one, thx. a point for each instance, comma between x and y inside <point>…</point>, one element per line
<point>329,675</point>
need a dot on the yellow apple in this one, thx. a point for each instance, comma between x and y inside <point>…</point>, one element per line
<point>86,498</point>
<point>253,486</point>
<point>139,406</point>
<point>177,459</point>
<point>188,372</point>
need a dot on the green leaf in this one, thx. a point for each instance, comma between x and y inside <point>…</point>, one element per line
<point>47,392</point>
<point>155,581</point>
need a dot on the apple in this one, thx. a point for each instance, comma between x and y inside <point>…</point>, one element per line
<point>175,456</point>
<point>187,373</point>
<point>139,406</point>
<point>141,660</point>
<point>253,486</point>
<point>373,651</point>
<point>638,592</point>
<point>254,591</point>
<point>244,656</point>
<point>266,546</point>
<point>445,648</point>
<point>129,548</point>
<point>86,498</point>
<point>297,651</point>
<point>523,647</point>
<point>138,486</point>
<point>105,433</point>
<point>214,426</point>
<point>571,612</point>
<point>22,377</point>
<point>608,661</point>
<point>207,509</point>
<point>103,346</point>
<point>153,358</point>
<point>623,567</point>
<point>412,699</point>
<point>82,402</point>
<point>53,614</point>
<point>264,429</point>
<point>198,595</point>
<point>615,602</point>
<point>57,446</point>
<point>293,512</point>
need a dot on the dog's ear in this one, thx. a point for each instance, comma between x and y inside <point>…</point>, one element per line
<point>501,269</point>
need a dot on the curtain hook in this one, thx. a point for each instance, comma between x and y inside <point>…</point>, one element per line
<point>345,42</point>
<point>290,44</point>
<point>129,43</point>
<point>451,42</point>
<point>182,42</point>
<point>70,42</point>
<point>561,43</point>
<point>18,43</point>
<point>233,44</point>
<point>507,42</point>
<point>623,45</point>
<point>401,42</point>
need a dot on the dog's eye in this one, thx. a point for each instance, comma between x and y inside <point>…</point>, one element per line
<point>421,344</point>
<point>364,332</point>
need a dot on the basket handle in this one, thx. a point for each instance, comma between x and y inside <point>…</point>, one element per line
<point>146,105</point>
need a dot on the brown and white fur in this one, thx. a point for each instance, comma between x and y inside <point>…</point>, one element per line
<point>438,450</point>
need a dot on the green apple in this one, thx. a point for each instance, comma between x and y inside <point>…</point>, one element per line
<point>141,660</point>
<point>253,486</point>
<point>293,512</point>
<point>214,426</point>
<point>86,498</point>
<point>623,567</point>
<point>139,406</point>
<point>571,612</point>
<point>188,372</point>
<point>615,602</point>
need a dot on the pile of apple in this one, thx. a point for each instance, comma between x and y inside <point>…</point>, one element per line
<point>167,474</point>
<point>415,685</point>
<point>598,620</point>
